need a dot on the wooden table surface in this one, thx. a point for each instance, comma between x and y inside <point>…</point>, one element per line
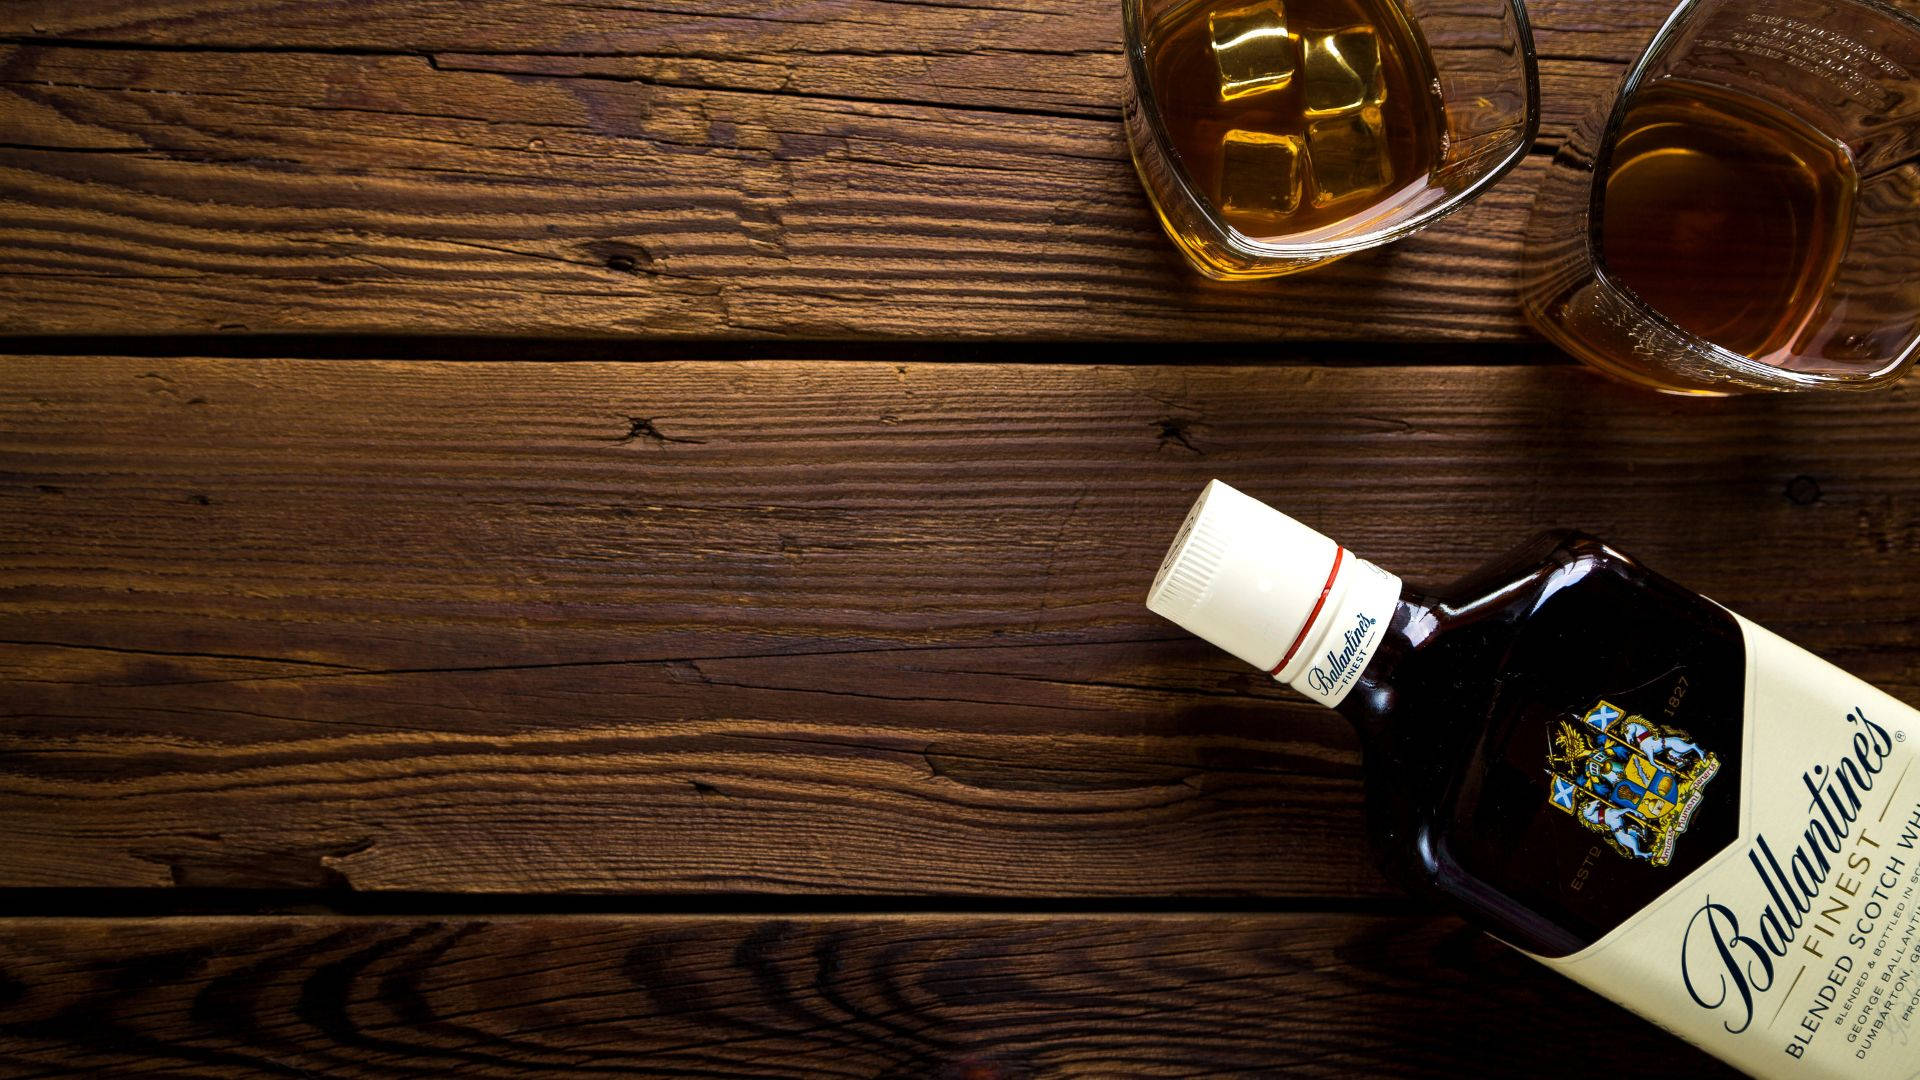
<point>608,537</point>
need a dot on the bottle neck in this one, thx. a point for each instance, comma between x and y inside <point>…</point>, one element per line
<point>1342,632</point>
<point>1373,699</point>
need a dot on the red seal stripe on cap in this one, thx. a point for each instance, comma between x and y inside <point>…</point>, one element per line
<point>1338,554</point>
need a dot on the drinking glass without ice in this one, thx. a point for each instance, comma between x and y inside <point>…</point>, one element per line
<point>1276,135</point>
<point>1746,214</point>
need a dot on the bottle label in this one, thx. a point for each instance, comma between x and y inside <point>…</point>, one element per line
<point>1344,634</point>
<point>1795,950</point>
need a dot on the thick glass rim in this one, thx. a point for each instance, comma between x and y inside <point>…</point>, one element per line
<point>1136,44</point>
<point>1745,369</point>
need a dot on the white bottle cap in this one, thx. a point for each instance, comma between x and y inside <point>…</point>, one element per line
<point>1274,593</point>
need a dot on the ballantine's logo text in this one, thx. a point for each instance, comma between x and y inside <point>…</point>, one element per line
<point>1726,959</point>
<point>1325,676</point>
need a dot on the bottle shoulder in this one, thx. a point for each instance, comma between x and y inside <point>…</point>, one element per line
<point>1557,555</point>
<point>1464,625</point>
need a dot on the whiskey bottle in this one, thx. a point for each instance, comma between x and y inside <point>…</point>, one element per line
<point>1639,788</point>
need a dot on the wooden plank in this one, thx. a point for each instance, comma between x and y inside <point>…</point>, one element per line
<point>817,626</point>
<point>827,169</point>
<point>979,998</point>
<point>791,33</point>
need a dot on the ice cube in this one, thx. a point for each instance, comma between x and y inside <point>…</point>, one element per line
<point>1340,71</point>
<point>1347,155</point>
<point>1260,173</point>
<point>1252,48</point>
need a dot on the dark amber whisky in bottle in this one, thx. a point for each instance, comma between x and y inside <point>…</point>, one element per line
<point>1641,789</point>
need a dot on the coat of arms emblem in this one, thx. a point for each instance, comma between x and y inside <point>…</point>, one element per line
<point>1634,782</point>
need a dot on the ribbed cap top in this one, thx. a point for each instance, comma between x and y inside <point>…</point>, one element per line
<point>1244,576</point>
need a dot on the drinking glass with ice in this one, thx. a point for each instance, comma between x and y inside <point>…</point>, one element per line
<point>1275,135</point>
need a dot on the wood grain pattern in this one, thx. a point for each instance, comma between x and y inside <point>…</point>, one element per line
<point>811,626</point>
<point>825,169</point>
<point>943,997</point>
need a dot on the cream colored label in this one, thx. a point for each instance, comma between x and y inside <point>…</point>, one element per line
<point>1794,952</point>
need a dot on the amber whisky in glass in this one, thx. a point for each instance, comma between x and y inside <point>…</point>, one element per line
<point>1296,116</point>
<point>1726,214</point>
<point>1745,214</point>
<point>1274,135</point>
